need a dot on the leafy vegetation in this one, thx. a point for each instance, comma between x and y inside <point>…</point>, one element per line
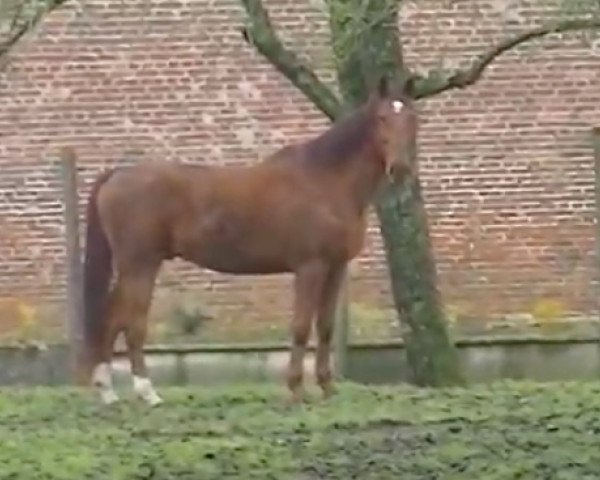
<point>500,431</point>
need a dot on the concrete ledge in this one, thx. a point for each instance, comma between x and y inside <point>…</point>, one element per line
<point>484,358</point>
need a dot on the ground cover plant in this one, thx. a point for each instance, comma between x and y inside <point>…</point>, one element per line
<point>502,431</point>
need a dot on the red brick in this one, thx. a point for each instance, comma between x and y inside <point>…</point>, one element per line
<point>506,165</point>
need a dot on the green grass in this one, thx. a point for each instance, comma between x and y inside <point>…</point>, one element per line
<point>503,431</point>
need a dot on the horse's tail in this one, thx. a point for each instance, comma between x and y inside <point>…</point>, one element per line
<point>97,272</point>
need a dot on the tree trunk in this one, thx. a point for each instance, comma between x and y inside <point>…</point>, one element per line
<point>431,356</point>
<point>367,45</point>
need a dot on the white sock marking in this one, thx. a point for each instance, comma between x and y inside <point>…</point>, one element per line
<point>144,389</point>
<point>102,380</point>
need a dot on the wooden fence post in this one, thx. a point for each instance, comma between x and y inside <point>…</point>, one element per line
<point>73,256</point>
<point>340,337</point>
<point>596,145</point>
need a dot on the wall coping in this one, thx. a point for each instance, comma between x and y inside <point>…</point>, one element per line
<point>464,342</point>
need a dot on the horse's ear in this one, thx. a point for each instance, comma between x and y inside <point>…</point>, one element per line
<point>383,87</point>
<point>408,89</point>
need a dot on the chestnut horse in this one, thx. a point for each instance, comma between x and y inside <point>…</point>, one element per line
<point>302,210</point>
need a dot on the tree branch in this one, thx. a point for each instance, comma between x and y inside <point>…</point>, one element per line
<point>259,32</point>
<point>437,82</point>
<point>26,26</point>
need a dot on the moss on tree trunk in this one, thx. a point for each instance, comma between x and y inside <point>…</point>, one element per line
<point>431,356</point>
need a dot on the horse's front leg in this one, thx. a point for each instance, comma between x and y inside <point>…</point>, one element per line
<point>325,326</point>
<point>308,284</point>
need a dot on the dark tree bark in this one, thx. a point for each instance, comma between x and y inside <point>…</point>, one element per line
<point>438,82</point>
<point>367,44</point>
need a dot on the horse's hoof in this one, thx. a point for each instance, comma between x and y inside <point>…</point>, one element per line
<point>154,401</point>
<point>328,391</point>
<point>109,397</point>
<point>145,391</point>
<point>295,399</point>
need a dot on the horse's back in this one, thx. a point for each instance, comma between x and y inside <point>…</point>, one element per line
<point>160,202</point>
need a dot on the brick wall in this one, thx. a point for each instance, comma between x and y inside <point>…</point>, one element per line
<point>506,165</point>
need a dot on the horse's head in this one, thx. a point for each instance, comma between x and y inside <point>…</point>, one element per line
<point>396,128</point>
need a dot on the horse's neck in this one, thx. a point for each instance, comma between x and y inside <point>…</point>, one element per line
<point>361,178</point>
<point>355,170</point>
<point>348,157</point>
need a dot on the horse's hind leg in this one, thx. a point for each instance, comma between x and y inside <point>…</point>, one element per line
<point>325,325</point>
<point>135,335</point>
<point>128,309</point>
<point>309,281</point>
<point>136,299</point>
<point>102,374</point>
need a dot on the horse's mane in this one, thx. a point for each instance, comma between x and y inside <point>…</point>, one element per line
<point>342,140</point>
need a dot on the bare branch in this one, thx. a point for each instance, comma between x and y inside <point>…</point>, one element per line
<point>15,36</point>
<point>259,32</point>
<point>20,28</point>
<point>438,82</point>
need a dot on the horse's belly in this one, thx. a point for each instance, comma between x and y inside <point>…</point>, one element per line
<point>234,260</point>
<point>225,240</point>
